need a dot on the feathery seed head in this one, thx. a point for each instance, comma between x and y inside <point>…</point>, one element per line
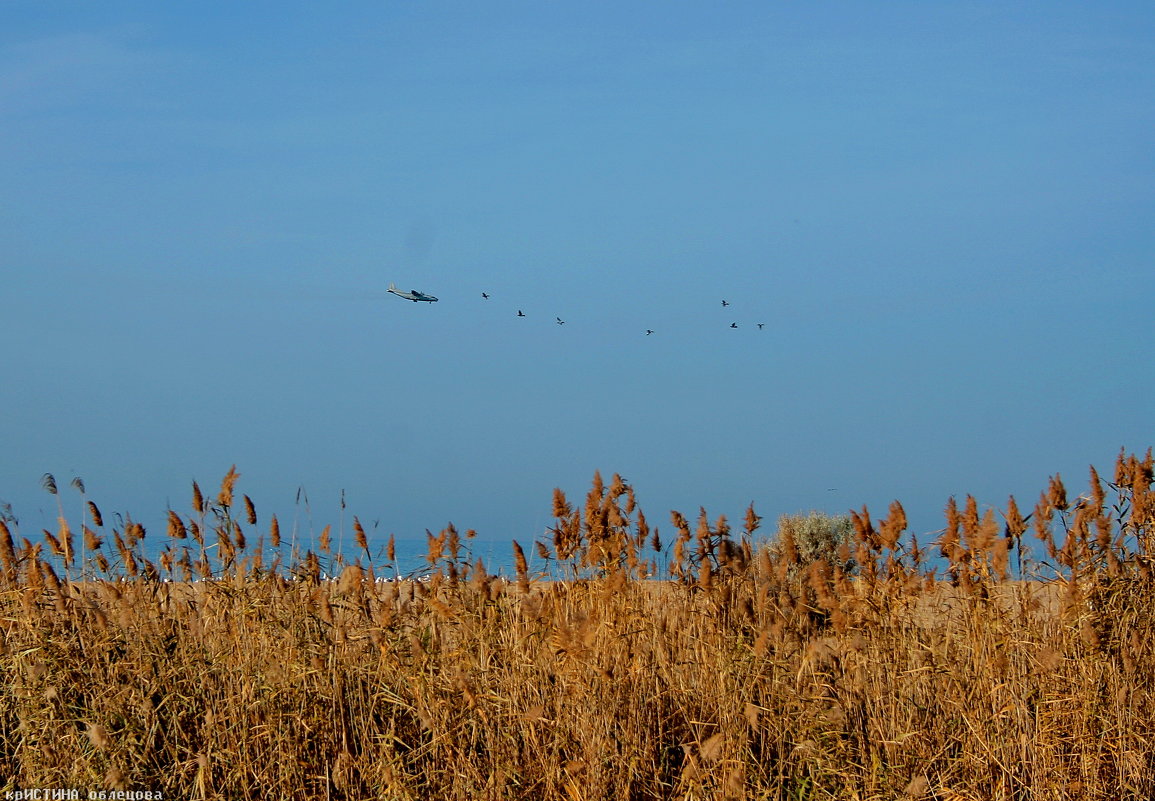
<point>1057,494</point>
<point>225,497</point>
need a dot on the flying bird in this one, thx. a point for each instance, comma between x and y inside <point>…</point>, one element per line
<point>725,303</point>
<point>520,313</point>
<point>559,321</point>
<point>649,331</point>
<point>760,326</point>
<point>733,325</point>
<point>485,295</point>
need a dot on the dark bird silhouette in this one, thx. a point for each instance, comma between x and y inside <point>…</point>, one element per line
<point>520,313</point>
<point>725,303</point>
<point>485,295</point>
<point>733,325</point>
<point>649,331</point>
<point>760,326</point>
<point>559,321</point>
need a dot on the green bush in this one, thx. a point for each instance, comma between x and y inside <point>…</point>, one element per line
<point>815,536</point>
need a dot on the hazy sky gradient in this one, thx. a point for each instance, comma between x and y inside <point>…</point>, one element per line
<point>941,212</point>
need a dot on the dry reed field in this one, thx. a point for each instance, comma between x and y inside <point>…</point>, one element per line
<point>1010,659</point>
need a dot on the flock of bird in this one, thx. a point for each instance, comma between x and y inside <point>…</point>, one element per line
<point>649,331</point>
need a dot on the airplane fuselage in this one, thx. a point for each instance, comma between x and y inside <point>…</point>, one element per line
<point>412,295</point>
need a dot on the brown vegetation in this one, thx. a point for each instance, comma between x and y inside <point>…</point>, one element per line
<point>232,669</point>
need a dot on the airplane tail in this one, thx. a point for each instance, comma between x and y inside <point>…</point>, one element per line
<point>391,286</point>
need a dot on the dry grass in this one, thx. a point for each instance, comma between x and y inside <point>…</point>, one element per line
<point>233,669</point>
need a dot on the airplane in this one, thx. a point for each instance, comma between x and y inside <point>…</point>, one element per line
<point>413,296</point>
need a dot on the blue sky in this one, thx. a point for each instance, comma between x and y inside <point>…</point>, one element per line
<point>940,212</point>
